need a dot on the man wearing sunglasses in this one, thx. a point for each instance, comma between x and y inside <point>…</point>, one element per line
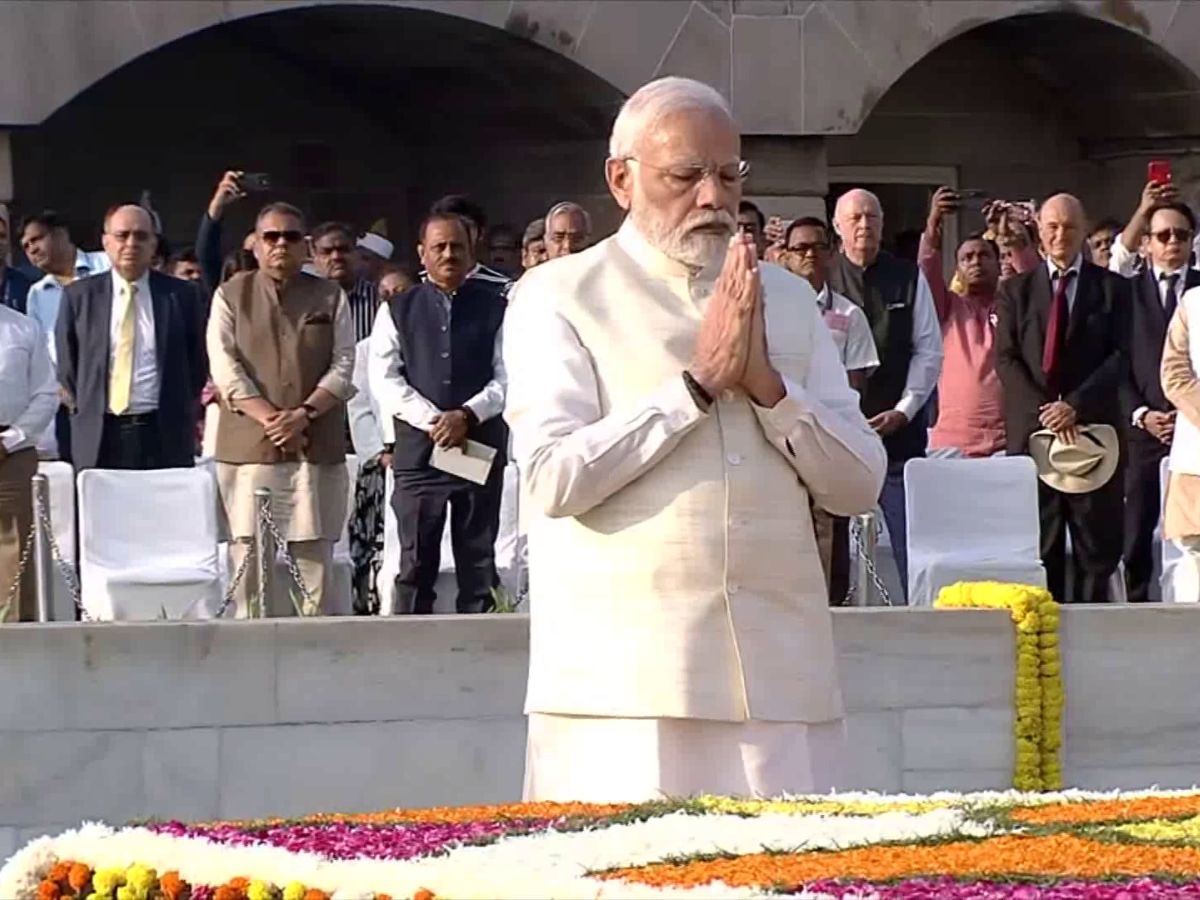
<point>1157,291</point>
<point>281,344</point>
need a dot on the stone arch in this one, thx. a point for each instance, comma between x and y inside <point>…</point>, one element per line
<point>624,43</point>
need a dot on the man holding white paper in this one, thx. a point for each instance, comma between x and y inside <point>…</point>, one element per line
<point>436,371</point>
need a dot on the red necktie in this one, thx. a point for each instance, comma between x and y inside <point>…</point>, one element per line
<point>1056,331</point>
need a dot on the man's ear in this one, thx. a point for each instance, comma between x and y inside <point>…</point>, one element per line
<point>619,175</point>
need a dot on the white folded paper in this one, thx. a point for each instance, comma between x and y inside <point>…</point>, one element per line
<point>472,461</point>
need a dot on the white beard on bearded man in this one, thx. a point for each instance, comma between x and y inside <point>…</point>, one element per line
<point>685,243</point>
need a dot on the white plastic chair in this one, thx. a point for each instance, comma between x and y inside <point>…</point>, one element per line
<point>971,520</point>
<point>511,556</point>
<point>61,478</point>
<point>148,544</point>
<point>340,596</point>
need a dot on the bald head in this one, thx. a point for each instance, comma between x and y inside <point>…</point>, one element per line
<point>858,220</point>
<point>1062,228</point>
<point>129,240</point>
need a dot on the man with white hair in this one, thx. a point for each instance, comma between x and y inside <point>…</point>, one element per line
<point>899,305</point>
<point>568,229</point>
<point>674,404</point>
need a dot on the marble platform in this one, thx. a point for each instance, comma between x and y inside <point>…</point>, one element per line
<point>242,719</point>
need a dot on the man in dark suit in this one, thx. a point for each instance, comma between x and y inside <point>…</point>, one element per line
<point>1061,356</point>
<point>1149,416</point>
<point>131,356</point>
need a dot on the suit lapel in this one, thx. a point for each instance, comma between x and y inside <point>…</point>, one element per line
<point>101,308</point>
<point>1085,293</point>
<point>160,301</point>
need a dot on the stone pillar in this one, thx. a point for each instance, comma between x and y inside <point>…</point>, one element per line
<point>788,175</point>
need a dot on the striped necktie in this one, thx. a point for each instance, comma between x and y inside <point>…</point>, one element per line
<point>120,377</point>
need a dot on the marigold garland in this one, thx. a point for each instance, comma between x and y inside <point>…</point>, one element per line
<point>1039,688</point>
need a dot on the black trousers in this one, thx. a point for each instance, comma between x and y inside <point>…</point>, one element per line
<point>1143,506</point>
<point>420,506</point>
<point>833,545</point>
<point>1096,523</point>
<point>130,442</point>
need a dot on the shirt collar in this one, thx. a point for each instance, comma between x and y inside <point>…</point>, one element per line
<point>1075,265</point>
<point>825,298</point>
<point>1159,274</point>
<point>142,284</point>
<point>83,263</point>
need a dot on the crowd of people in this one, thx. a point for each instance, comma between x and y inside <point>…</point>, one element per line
<point>313,340</point>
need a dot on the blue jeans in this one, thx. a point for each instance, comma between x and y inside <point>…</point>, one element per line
<point>891,501</point>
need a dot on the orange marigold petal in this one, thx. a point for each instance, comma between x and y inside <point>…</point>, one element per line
<point>79,876</point>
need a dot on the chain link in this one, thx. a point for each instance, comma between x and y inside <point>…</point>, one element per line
<point>65,567</point>
<point>307,608</point>
<point>860,548</point>
<point>10,602</point>
<point>233,585</point>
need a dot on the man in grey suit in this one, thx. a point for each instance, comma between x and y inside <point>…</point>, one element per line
<point>131,356</point>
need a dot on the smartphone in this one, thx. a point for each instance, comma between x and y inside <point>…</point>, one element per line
<point>255,181</point>
<point>972,198</point>
<point>1159,171</point>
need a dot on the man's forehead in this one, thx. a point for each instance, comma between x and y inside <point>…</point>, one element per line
<point>808,232</point>
<point>275,221</point>
<point>128,216</point>
<point>334,239</point>
<point>702,133</point>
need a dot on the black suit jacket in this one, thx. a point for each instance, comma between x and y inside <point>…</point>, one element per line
<point>82,336</point>
<point>1148,332</point>
<point>1095,354</point>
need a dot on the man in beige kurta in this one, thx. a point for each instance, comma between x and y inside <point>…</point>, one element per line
<point>1181,384</point>
<point>674,405</point>
<point>281,349</point>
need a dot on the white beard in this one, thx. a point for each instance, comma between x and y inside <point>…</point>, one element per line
<point>698,250</point>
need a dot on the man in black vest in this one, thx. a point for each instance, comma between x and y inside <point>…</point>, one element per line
<point>899,305</point>
<point>436,371</point>
<point>1148,414</point>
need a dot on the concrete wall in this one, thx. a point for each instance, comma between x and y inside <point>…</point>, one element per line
<point>243,719</point>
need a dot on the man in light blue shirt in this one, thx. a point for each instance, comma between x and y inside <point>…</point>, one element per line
<point>47,243</point>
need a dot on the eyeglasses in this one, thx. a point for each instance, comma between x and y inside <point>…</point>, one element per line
<point>274,237</point>
<point>806,249</point>
<point>124,237</point>
<point>1183,235</point>
<point>685,178</point>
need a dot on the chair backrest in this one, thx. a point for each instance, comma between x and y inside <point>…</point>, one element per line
<point>208,444</point>
<point>135,517</point>
<point>987,505</point>
<point>61,478</point>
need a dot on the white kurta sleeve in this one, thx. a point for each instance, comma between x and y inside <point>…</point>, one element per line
<point>571,455</point>
<point>24,431</point>
<point>489,402</point>
<point>821,432</point>
<point>926,363</point>
<point>385,374</point>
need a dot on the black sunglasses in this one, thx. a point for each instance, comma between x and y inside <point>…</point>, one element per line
<point>1180,234</point>
<point>274,237</point>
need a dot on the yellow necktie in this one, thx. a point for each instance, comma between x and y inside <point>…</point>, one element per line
<point>120,378</point>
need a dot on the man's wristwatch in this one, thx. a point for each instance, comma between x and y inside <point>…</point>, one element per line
<point>310,411</point>
<point>472,419</point>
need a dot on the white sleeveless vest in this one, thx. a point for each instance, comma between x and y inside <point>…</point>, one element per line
<point>696,591</point>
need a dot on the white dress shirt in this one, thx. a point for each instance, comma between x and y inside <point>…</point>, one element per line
<point>365,431</point>
<point>28,389</point>
<point>1072,285</point>
<point>850,329</point>
<point>925,367</point>
<point>144,386</point>
<point>45,296</point>
<point>394,395</point>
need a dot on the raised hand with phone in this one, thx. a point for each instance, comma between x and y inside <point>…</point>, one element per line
<point>1160,189</point>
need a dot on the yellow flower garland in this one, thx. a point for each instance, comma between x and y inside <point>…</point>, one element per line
<point>1039,693</point>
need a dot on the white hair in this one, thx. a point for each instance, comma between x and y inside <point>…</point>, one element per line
<point>566,206</point>
<point>651,102</point>
<point>845,198</point>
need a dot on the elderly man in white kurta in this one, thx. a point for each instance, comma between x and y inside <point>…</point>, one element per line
<point>674,404</point>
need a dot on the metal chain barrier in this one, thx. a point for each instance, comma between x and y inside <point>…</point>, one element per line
<point>65,567</point>
<point>307,607</point>
<point>868,560</point>
<point>10,602</point>
<point>230,591</point>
